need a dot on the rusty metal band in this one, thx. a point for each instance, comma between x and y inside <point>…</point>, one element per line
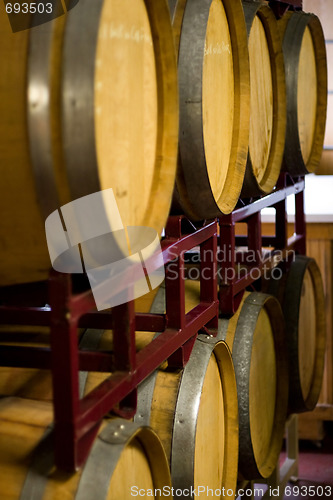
<point>39,115</point>
<point>78,125</point>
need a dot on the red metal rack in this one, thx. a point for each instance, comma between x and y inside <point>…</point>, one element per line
<point>77,420</point>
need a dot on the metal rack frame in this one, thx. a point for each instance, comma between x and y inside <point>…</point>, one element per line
<point>231,289</point>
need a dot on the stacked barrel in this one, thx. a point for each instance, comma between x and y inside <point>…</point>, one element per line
<point>187,107</point>
<point>244,79</point>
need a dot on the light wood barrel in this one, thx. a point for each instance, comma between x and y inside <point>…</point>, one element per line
<point>256,337</point>
<point>194,412</point>
<point>88,101</point>
<point>204,393</point>
<point>301,294</point>
<point>213,71</point>
<point>268,100</point>
<point>123,455</point>
<point>306,79</point>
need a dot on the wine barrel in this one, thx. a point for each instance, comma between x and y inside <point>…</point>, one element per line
<point>212,458</point>
<point>268,100</point>
<point>301,294</point>
<point>27,464</point>
<point>214,94</point>
<point>181,405</point>
<point>255,335</point>
<point>70,127</point>
<point>194,412</point>
<point>257,339</point>
<point>306,80</point>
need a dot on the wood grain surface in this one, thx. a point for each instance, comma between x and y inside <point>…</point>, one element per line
<point>218,90</point>
<point>76,121</point>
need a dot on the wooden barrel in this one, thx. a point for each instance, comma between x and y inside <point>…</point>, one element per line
<point>193,409</point>
<point>88,101</point>
<point>301,294</point>
<point>256,337</point>
<point>268,100</point>
<point>214,97</point>
<point>194,412</point>
<point>306,79</point>
<point>26,458</point>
